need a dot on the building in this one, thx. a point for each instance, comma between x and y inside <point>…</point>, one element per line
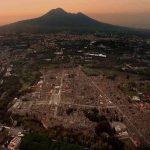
<point>14,143</point>
<point>135,99</point>
<point>146,97</point>
<point>120,128</point>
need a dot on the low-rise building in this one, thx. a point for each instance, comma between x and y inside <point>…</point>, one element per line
<point>14,143</point>
<point>135,99</point>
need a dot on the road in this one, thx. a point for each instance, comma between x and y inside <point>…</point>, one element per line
<point>58,97</point>
<point>129,122</point>
<point>13,130</point>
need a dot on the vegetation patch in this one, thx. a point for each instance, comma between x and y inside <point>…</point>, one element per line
<point>91,70</point>
<point>35,141</point>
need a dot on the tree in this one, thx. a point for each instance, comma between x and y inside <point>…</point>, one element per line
<point>104,126</point>
<point>143,147</point>
<point>116,143</point>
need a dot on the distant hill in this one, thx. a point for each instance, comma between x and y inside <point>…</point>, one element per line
<point>59,20</point>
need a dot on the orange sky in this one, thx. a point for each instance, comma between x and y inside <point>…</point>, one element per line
<point>14,10</point>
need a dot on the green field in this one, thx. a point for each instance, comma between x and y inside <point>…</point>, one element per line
<point>91,71</point>
<point>40,142</point>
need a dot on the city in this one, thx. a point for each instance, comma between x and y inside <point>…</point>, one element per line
<point>77,83</point>
<point>75,75</point>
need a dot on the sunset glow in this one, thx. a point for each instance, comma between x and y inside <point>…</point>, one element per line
<point>14,10</point>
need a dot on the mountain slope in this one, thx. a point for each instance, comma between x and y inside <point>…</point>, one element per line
<point>59,20</point>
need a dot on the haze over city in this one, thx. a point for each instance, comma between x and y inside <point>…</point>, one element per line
<point>127,13</point>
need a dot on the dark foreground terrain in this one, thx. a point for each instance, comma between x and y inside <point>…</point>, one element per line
<point>67,91</point>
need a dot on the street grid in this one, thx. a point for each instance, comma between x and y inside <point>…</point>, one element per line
<point>63,89</point>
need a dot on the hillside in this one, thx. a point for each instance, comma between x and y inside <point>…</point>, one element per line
<point>59,20</point>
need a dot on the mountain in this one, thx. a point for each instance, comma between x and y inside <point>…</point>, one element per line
<point>60,20</point>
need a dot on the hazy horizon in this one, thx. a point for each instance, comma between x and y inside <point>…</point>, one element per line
<point>126,13</point>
